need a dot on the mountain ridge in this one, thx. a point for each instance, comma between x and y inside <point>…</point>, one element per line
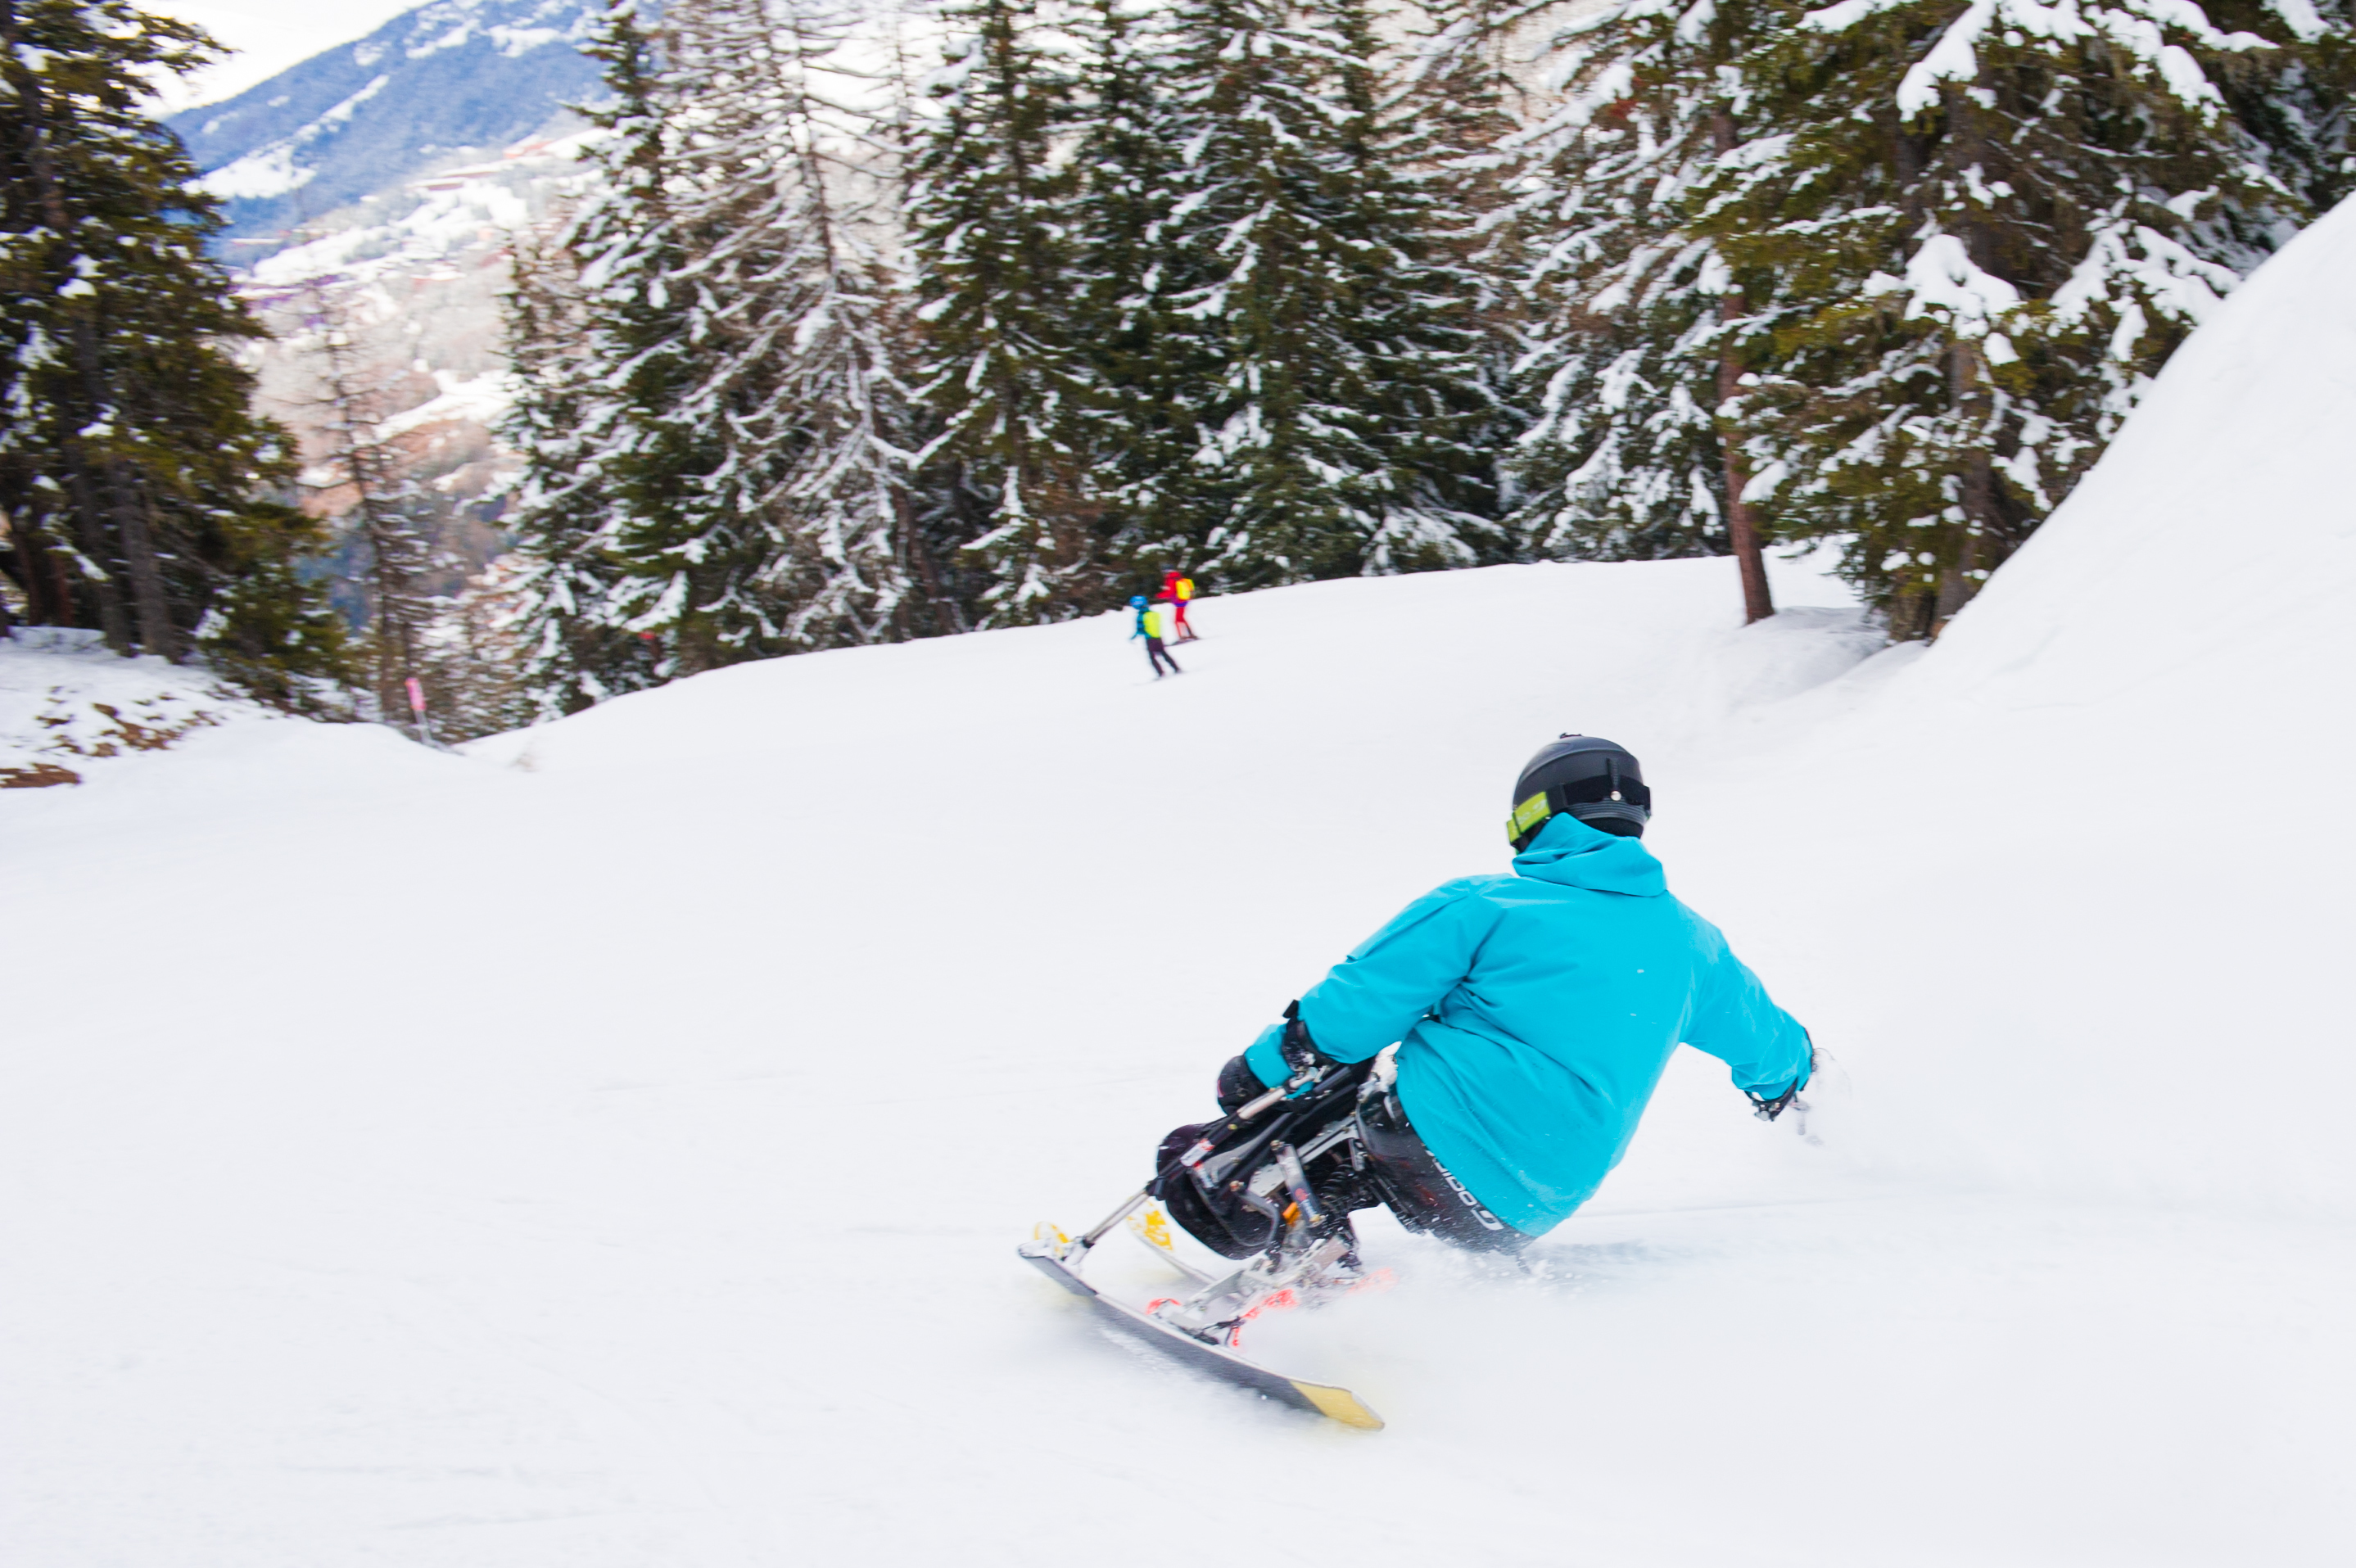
<point>352,121</point>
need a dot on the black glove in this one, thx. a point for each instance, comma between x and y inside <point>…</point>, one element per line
<point>1239,1085</point>
<point>1301,1052</point>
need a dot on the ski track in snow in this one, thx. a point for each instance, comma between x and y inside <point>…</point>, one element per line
<point>608,1147</point>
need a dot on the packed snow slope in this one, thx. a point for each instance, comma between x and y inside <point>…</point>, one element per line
<point>608,1147</point>
<point>2103,830</point>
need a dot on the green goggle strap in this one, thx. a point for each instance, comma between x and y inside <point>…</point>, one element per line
<point>1527,815</point>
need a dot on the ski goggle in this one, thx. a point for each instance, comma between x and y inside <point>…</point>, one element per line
<point>1527,817</point>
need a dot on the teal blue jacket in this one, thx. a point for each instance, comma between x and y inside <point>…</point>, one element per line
<point>1535,1012</point>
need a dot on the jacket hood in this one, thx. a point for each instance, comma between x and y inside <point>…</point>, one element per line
<point>1568,851</point>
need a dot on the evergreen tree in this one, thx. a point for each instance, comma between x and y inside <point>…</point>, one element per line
<point>1337,426</point>
<point>707,433</point>
<point>1449,109</point>
<point>715,430</point>
<point>136,477</point>
<point>1137,439</point>
<point>993,227</point>
<point>944,512</point>
<point>1974,231</point>
<point>268,627</point>
<point>639,574</point>
<point>829,343</point>
<point>474,673</point>
<point>1628,358</point>
<point>571,650</point>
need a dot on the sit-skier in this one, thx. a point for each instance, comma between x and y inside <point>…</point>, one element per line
<point>1535,1012</point>
<point>1149,626</point>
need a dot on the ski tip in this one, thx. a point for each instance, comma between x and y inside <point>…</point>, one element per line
<point>1338,1404</point>
<point>1150,1226</point>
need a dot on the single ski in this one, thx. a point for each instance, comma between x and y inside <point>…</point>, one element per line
<point>1060,1258</point>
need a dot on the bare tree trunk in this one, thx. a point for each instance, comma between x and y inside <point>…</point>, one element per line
<point>26,564</point>
<point>1969,385</point>
<point>1957,582</point>
<point>49,590</point>
<point>937,609</point>
<point>396,628</point>
<point>1741,523</point>
<point>156,631</point>
<point>96,551</point>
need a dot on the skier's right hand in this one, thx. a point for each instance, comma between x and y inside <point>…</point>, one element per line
<point>1301,1052</point>
<point>1239,1085</point>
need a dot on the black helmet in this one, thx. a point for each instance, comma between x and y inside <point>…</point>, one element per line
<point>1585,778</point>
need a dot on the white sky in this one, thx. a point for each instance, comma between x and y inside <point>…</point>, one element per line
<point>269,36</point>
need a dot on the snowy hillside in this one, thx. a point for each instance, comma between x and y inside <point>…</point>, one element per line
<point>608,1147</point>
<point>68,705</point>
<point>449,76</point>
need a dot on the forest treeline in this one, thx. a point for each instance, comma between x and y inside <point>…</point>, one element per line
<point>141,494</point>
<point>873,330</point>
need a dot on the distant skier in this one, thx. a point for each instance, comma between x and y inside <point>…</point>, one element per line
<point>1178,591</point>
<point>1149,626</point>
<point>1534,1013</point>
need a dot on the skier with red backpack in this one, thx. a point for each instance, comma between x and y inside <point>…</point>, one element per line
<point>1178,592</point>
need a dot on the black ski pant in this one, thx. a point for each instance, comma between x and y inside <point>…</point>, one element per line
<point>1160,655</point>
<point>1420,1190</point>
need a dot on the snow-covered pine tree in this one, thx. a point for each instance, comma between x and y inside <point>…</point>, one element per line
<point>1137,434</point>
<point>709,442</point>
<point>944,513</point>
<point>1629,357</point>
<point>474,669</point>
<point>269,627</point>
<point>843,412</point>
<point>580,326</point>
<point>137,480</point>
<point>1450,106</point>
<point>563,417</point>
<point>993,230</point>
<point>1309,274</point>
<point>1979,229</point>
<point>2299,103</point>
<point>715,422</point>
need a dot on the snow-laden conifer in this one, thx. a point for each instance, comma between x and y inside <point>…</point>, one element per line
<point>842,414</point>
<point>711,438</point>
<point>136,480</point>
<point>580,323</point>
<point>1342,391</point>
<point>1136,436</point>
<point>1982,226</point>
<point>716,427</point>
<point>1004,372</point>
<point>1629,357</point>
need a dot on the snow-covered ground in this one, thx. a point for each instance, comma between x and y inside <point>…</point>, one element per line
<point>67,706</point>
<point>608,1147</point>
